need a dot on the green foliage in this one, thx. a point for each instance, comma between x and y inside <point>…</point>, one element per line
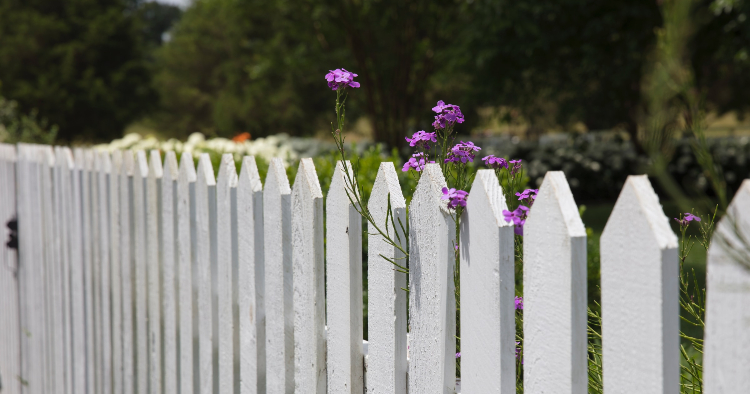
<point>15,127</point>
<point>78,62</point>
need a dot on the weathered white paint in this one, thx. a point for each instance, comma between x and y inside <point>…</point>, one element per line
<point>640,306</point>
<point>386,360</point>
<point>185,221</point>
<point>105,321</point>
<point>140,175</point>
<point>169,284</point>
<point>205,206</point>
<point>26,298</point>
<point>344,287</point>
<point>52,272</point>
<point>277,224</point>
<point>153,259</point>
<point>252,317</point>
<point>309,281</point>
<point>432,308</point>
<point>88,196</point>
<point>60,198</point>
<point>488,329</point>
<point>127,222</point>
<point>226,181</point>
<point>727,335</point>
<point>115,234</point>
<point>554,283</point>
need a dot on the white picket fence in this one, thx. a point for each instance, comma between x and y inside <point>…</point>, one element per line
<point>137,276</point>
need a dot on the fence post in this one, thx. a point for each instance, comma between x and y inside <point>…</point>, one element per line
<point>488,329</point>
<point>309,281</point>
<point>277,224</point>
<point>386,301</point>
<point>344,287</point>
<point>205,215</point>
<point>168,249</point>
<point>640,306</point>
<point>140,175</point>
<point>432,308</point>
<point>554,280</point>
<point>250,286</point>
<point>116,269</point>
<point>10,334</point>
<point>88,185</point>
<point>126,270</point>
<point>727,336</point>
<point>185,258</point>
<point>226,182</point>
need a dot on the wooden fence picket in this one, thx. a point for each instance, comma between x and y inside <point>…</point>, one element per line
<point>309,281</point>
<point>432,309</point>
<point>488,330</point>
<point>153,272</point>
<point>88,186</point>
<point>250,285</point>
<point>344,288</point>
<point>115,239</point>
<point>640,295</point>
<point>105,319</point>
<point>61,200</point>
<point>168,274</point>
<point>185,258</point>
<point>554,283</point>
<point>140,175</point>
<point>386,302</point>
<point>727,338</point>
<point>227,180</point>
<point>277,224</point>
<point>205,215</point>
<point>126,271</point>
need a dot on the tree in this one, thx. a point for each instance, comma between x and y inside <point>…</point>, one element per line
<point>79,63</point>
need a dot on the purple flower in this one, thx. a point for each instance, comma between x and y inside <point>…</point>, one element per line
<point>689,217</point>
<point>518,217</point>
<point>455,197</point>
<point>458,355</point>
<point>529,195</point>
<point>422,139</point>
<point>417,162</point>
<point>447,115</point>
<point>495,162</point>
<point>516,167</point>
<point>518,351</point>
<point>463,152</point>
<point>519,303</point>
<point>340,79</point>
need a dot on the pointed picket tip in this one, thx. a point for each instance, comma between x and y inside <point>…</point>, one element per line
<point>60,160</point>
<point>171,169</point>
<point>430,187</point>
<point>105,165</point>
<point>276,178</point>
<point>128,162</point>
<point>227,171</point>
<point>156,170</point>
<point>80,158</point>
<point>46,155</point>
<point>68,160</point>
<point>249,176</point>
<point>205,172</point>
<point>729,231</point>
<point>141,164</point>
<point>307,177</point>
<point>486,188</point>
<point>339,186</point>
<point>386,182</point>
<point>88,159</point>
<point>555,194</point>
<point>638,201</point>
<point>116,161</point>
<point>187,167</point>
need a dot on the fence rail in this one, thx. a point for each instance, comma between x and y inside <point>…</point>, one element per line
<point>133,275</point>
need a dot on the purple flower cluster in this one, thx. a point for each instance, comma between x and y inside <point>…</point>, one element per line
<point>495,162</point>
<point>518,217</point>
<point>455,197</point>
<point>340,79</point>
<point>417,162</point>
<point>463,152</point>
<point>447,115</point>
<point>528,196</point>
<point>516,167</point>
<point>519,303</point>
<point>421,139</point>
<point>687,218</point>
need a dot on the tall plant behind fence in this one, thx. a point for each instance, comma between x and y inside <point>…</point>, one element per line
<point>125,275</point>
